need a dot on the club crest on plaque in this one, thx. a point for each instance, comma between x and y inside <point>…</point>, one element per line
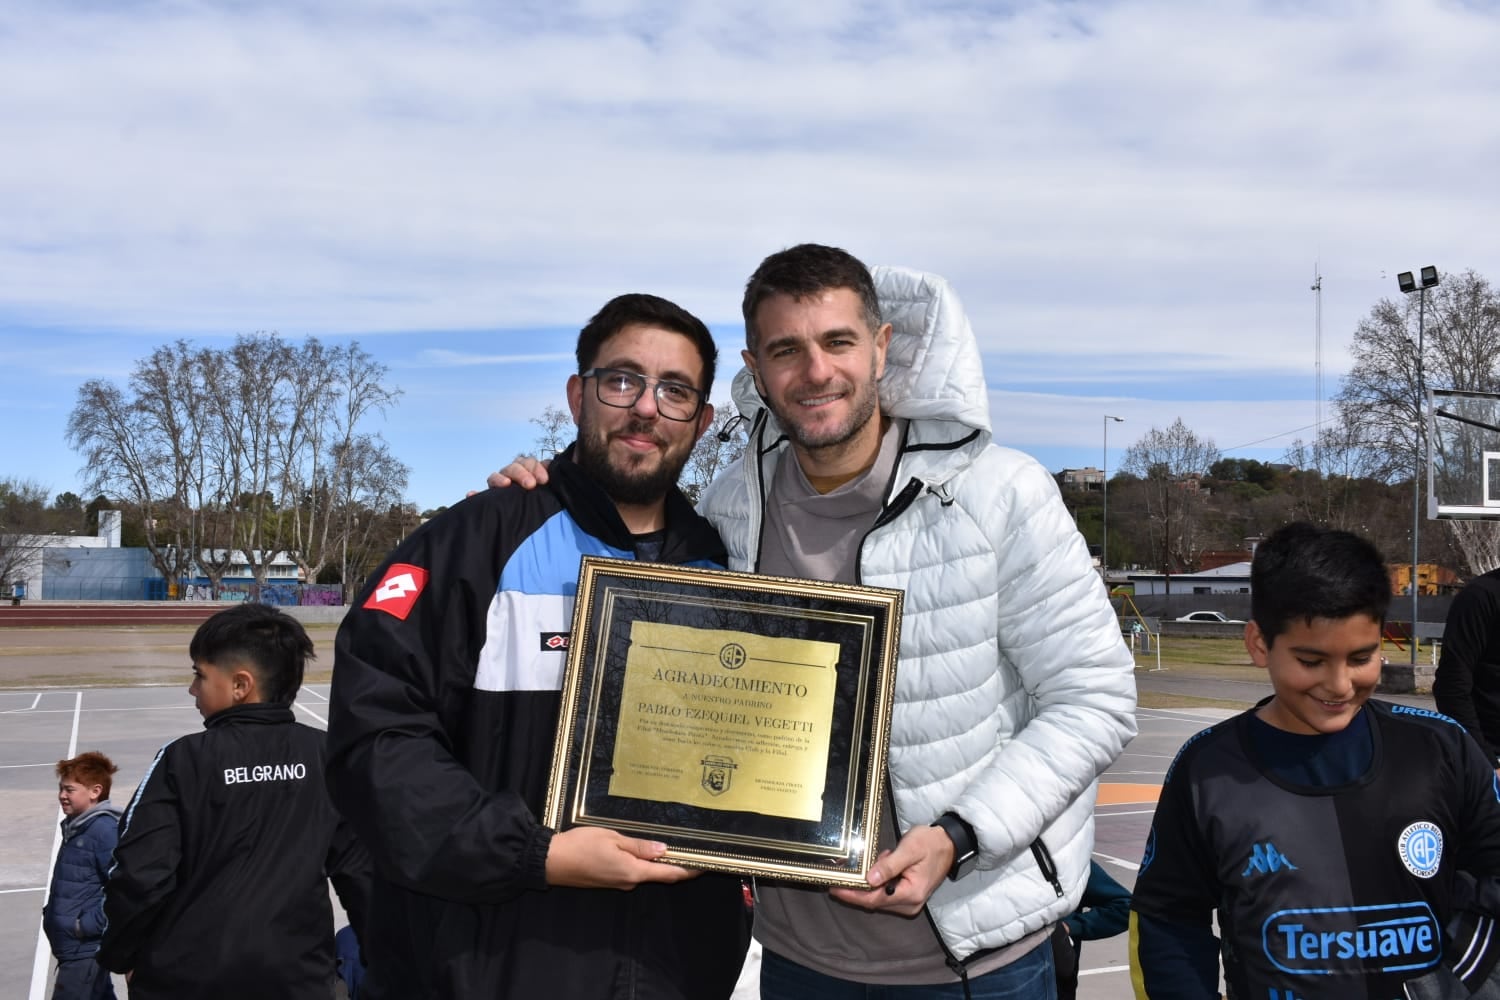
<point>717,771</point>
<point>732,656</point>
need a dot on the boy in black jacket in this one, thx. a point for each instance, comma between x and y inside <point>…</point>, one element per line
<point>219,883</point>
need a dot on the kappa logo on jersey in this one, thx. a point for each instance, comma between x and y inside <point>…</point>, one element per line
<point>1392,937</point>
<point>398,590</point>
<point>1265,859</point>
<point>1421,848</point>
<point>555,641</point>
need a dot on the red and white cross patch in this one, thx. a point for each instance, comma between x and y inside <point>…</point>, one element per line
<point>398,590</point>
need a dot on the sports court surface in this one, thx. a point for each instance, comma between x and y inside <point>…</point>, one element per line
<point>50,720</point>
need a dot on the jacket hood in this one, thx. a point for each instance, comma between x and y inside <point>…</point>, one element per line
<point>932,369</point>
<point>74,825</point>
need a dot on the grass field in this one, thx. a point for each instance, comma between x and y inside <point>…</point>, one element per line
<point>1222,660</point>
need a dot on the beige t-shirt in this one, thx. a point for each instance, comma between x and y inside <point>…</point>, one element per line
<point>816,536</point>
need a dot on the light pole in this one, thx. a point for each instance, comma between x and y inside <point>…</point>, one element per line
<point>1104,542</point>
<point>1408,285</point>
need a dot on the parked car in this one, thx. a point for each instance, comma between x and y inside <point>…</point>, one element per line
<point>1213,617</point>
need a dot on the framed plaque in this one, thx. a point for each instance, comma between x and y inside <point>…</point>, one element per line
<point>742,720</point>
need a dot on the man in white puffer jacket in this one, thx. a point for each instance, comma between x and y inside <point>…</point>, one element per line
<point>1014,689</point>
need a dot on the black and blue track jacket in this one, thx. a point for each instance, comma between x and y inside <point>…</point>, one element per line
<point>447,685</point>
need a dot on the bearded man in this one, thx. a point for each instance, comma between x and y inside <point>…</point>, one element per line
<point>448,674</point>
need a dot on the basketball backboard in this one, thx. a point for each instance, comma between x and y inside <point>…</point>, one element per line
<point>1463,454</point>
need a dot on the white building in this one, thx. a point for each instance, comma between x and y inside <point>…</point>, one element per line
<point>1231,579</point>
<point>35,553</point>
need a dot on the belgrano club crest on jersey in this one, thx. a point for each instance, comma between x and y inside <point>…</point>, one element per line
<point>1421,848</point>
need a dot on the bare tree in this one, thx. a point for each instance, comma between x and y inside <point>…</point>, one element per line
<point>368,499</point>
<point>329,392</point>
<point>134,450</point>
<point>1383,398</point>
<point>247,449</point>
<point>1170,464</point>
<point>721,445</point>
<point>1335,474</point>
<point>259,429</point>
<point>170,389</point>
<point>363,471</point>
<point>556,431</point>
<point>23,519</point>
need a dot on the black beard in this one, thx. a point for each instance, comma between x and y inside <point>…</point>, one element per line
<point>591,454</point>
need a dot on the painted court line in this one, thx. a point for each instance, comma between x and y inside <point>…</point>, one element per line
<point>1127,865</point>
<point>28,708</point>
<point>111,711</point>
<point>310,712</point>
<point>1100,972</point>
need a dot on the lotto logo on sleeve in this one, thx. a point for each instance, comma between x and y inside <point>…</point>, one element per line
<point>398,590</point>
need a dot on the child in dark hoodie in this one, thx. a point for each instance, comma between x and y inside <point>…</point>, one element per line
<point>74,912</point>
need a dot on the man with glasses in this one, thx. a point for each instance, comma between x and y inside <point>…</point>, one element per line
<point>448,674</point>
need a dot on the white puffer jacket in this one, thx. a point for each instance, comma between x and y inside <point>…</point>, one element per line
<point>1015,688</point>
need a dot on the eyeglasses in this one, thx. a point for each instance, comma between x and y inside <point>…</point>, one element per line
<point>674,400</point>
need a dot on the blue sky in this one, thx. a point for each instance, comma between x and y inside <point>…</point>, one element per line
<point>1129,197</point>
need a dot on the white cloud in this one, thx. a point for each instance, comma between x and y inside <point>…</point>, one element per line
<point>442,358</point>
<point>1152,179</point>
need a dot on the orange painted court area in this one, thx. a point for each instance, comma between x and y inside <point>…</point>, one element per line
<point>1119,793</point>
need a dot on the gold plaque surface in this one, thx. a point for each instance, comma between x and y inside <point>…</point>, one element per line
<point>741,719</point>
<point>725,720</point>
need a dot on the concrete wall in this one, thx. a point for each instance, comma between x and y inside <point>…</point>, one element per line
<point>316,615</point>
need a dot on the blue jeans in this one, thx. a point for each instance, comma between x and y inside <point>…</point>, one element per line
<point>1030,977</point>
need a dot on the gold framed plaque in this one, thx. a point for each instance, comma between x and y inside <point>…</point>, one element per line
<point>742,720</point>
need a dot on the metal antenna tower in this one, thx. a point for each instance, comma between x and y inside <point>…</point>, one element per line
<point>1317,290</point>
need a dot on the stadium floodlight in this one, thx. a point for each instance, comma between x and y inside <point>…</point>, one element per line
<point>1407,285</point>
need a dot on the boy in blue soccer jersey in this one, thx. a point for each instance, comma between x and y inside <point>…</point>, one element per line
<point>1328,831</point>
